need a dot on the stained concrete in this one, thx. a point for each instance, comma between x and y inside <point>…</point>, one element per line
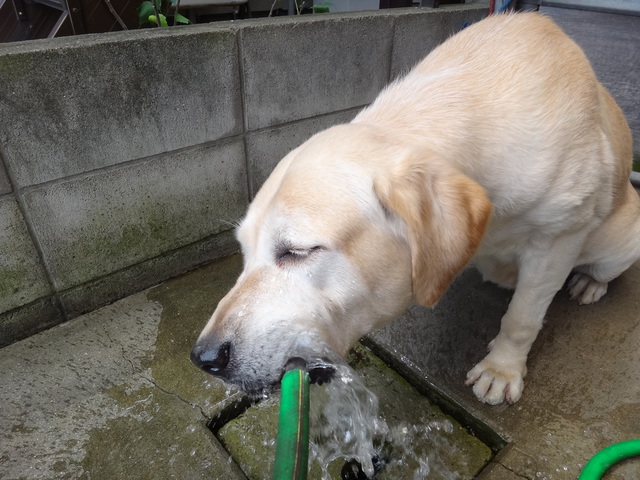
<point>112,394</point>
<point>582,390</point>
<point>5,185</point>
<point>118,218</point>
<point>324,78</point>
<point>449,450</point>
<point>23,279</point>
<point>143,93</point>
<point>131,154</point>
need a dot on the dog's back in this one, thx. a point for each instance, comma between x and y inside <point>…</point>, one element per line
<point>514,104</point>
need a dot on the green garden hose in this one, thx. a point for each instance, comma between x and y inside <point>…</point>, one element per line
<point>292,447</point>
<point>604,459</point>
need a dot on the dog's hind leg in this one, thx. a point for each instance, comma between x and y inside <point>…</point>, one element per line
<point>608,251</point>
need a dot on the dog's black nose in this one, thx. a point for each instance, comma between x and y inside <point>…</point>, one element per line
<point>212,359</point>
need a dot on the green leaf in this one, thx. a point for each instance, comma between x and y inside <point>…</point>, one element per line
<point>159,5</point>
<point>163,20</point>
<point>144,11</point>
<point>322,7</point>
<point>181,19</point>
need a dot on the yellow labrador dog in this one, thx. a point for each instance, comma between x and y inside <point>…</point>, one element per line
<point>501,148</point>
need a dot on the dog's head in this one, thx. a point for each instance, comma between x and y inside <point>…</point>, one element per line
<point>347,230</point>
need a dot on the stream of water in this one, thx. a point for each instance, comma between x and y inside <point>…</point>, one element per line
<point>346,423</point>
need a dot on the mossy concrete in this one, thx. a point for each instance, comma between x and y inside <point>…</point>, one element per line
<point>142,93</point>
<point>187,302</point>
<point>29,319</point>
<point>132,154</point>
<point>161,436</point>
<point>449,451</point>
<point>22,276</point>
<point>113,394</point>
<point>97,224</point>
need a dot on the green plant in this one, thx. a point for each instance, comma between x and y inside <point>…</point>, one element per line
<point>322,7</point>
<point>155,13</point>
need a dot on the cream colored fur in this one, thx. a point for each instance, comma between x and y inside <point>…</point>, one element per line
<point>501,148</point>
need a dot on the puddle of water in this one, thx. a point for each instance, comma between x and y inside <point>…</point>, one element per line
<point>153,436</point>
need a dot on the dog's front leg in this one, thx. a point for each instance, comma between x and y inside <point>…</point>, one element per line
<point>543,268</point>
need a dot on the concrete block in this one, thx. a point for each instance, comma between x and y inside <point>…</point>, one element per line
<point>299,68</point>
<point>22,277</point>
<point>267,147</point>
<point>99,223</point>
<point>417,34</point>
<point>70,394</point>
<point>5,186</point>
<point>30,319</point>
<point>81,103</point>
<point>104,290</point>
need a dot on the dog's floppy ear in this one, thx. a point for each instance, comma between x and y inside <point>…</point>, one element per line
<point>445,214</point>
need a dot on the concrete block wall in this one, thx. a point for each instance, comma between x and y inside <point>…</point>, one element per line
<point>126,158</point>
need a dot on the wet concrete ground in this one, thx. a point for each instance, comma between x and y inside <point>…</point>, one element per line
<point>582,390</point>
<point>112,394</point>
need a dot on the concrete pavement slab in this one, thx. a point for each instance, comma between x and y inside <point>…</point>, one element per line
<point>112,394</point>
<point>582,390</point>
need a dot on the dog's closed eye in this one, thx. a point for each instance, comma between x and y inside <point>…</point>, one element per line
<point>289,254</point>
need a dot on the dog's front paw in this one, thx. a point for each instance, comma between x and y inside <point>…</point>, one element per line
<point>495,381</point>
<point>585,289</point>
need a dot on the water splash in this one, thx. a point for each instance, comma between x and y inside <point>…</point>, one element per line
<point>344,417</point>
<point>345,422</point>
